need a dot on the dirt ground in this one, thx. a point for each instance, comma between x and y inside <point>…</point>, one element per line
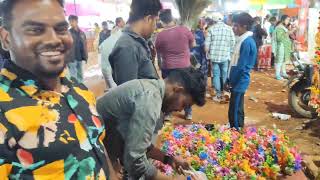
<point>272,96</point>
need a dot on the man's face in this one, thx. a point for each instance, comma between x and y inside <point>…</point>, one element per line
<point>177,100</point>
<point>73,23</point>
<point>121,23</point>
<point>238,29</point>
<point>105,27</point>
<point>150,25</point>
<point>287,21</point>
<point>38,40</point>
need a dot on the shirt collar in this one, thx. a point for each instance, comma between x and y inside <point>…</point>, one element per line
<point>129,31</point>
<point>25,80</point>
<point>138,38</point>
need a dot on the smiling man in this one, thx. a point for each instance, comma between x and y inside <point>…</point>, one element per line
<point>49,128</point>
<point>131,112</point>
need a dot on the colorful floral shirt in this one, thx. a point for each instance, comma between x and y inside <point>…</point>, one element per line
<point>45,134</point>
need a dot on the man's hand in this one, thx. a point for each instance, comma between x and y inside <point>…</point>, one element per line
<point>227,86</point>
<point>180,164</point>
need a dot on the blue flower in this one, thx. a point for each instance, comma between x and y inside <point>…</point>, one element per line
<point>203,155</point>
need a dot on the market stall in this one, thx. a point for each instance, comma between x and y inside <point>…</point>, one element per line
<point>223,153</point>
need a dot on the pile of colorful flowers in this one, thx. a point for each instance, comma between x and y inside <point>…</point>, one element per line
<point>223,153</point>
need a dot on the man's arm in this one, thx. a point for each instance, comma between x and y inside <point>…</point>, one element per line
<point>232,41</point>
<point>125,65</point>
<point>85,46</point>
<point>191,38</point>
<point>146,111</point>
<point>208,41</point>
<point>112,173</point>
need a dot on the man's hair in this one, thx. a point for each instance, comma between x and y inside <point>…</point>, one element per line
<point>6,7</point>
<point>257,19</point>
<point>118,20</point>
<point>273,19</point>
<point>104,23</point>
<point>244,19</point>
<point>73,17</point>
<point>193,82</point>
<point>142,8</point>
<point>284,17</point>
<point>166,16</point>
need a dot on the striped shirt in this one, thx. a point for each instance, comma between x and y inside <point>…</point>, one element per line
<point>220,42</point>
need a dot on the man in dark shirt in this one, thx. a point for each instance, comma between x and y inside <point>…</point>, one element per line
<point>49,128</point>
<point>79,53</point>
<point>131,57</point>
<point>105,33</point>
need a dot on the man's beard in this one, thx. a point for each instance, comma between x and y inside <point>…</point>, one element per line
<point>50,75</point>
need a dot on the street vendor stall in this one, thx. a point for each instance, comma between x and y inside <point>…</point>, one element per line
<point>223,153</point>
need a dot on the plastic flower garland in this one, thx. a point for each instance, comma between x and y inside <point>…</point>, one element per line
<point>228,154</point>
<point>315,89</point>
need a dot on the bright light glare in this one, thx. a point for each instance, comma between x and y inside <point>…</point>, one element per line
<point>241,5</point>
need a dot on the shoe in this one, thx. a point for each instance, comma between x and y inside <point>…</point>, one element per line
<point>216,99</point>
<point>189,117</point>
<point>208,95</point>
<point>168,117</point>
<point>285,76</point>
<point>223,100</point>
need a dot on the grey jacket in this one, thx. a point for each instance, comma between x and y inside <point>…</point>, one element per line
<point>79,50</point>
<point>131,58</point>
<point>131,113</point>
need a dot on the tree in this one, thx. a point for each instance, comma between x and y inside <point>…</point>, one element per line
<point>190,10</point>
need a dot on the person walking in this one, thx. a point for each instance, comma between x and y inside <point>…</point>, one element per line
<point>219,46</point>
<point>105,33</point>
<point>106,49</point>
<point>282,47</point>
<point>79,53</point>
<point>242,62</point>
<point>173,44</point>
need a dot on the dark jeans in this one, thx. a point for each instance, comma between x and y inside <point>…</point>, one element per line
<point>165,73</point>
<point>236,110</point>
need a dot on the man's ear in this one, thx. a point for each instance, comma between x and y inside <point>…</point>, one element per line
<point>178,89</point>
<point>148,18</point>
<point>4,38</point>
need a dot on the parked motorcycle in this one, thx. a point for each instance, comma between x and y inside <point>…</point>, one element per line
<point>299,87</point>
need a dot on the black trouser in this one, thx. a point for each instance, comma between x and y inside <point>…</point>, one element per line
<point>236,110</point>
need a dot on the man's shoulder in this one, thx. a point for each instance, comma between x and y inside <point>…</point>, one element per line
<point>125,41</point>
<point>249,41</point>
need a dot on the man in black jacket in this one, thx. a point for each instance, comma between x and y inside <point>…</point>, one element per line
<point>131,57</point>
<point>79,53</point>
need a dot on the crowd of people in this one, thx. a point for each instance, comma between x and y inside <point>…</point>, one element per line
<point>51,125</point>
